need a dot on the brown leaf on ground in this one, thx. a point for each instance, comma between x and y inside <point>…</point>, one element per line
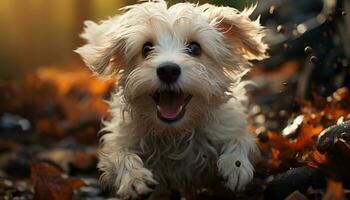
<point>284,150</point>
<point>307,136</point>
<point>318,159</point>
<point>296,196</point>
<point>49,183</point>
<point>60,101</point>
<point>318,113</point>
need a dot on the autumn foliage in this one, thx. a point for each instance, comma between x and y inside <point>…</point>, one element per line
<point>50,183</point>
<point>287,151</point>
<point>69,103</point>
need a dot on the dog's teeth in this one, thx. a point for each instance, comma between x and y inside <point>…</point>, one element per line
<point>179,110</point>
<point>158,108</point>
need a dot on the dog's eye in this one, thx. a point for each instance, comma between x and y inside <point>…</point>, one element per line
<point>194,49</point>
<point>146,49</point>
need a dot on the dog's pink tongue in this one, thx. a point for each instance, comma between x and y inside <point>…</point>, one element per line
<point>170,104</point>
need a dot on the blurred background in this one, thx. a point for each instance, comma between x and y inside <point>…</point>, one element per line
<point>40,32</point>
<point>51,106</point>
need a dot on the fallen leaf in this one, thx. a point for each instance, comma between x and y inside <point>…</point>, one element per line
<point>49,183</point>
<point>307,136</point>
<point>296,196</point>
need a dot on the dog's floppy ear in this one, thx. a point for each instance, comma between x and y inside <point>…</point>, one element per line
<point>237,27</point>
<point>104,49</point>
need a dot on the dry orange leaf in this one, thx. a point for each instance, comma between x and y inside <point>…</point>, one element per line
<point>307,136</point>
<point>318,157</point>
<point>49,183</point>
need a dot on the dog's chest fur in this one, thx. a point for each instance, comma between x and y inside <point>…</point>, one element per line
<point>187,159</point>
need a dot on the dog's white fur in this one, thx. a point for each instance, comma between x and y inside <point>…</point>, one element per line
<point>139,150</point>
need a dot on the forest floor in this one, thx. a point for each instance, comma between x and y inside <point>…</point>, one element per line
<point>49,122</point>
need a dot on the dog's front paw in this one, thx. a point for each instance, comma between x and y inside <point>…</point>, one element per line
<point>236,173</point>
<point>137,184</point>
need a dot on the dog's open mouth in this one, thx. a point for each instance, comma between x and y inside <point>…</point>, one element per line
<point>171,106</point>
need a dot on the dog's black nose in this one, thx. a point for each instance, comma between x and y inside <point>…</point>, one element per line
<point>168,72</point>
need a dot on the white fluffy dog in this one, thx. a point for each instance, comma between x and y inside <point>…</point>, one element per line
<point>177,118</point>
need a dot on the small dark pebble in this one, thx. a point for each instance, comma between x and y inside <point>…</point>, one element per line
<point>238,163</point>
<point>308,50</point>
<point>343,13</point>
<point>314,59</point>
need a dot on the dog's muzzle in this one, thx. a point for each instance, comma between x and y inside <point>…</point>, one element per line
<point>171,105</point>
<point>168,72</point>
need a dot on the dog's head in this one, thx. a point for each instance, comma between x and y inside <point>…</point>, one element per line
<point>174,64</point>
